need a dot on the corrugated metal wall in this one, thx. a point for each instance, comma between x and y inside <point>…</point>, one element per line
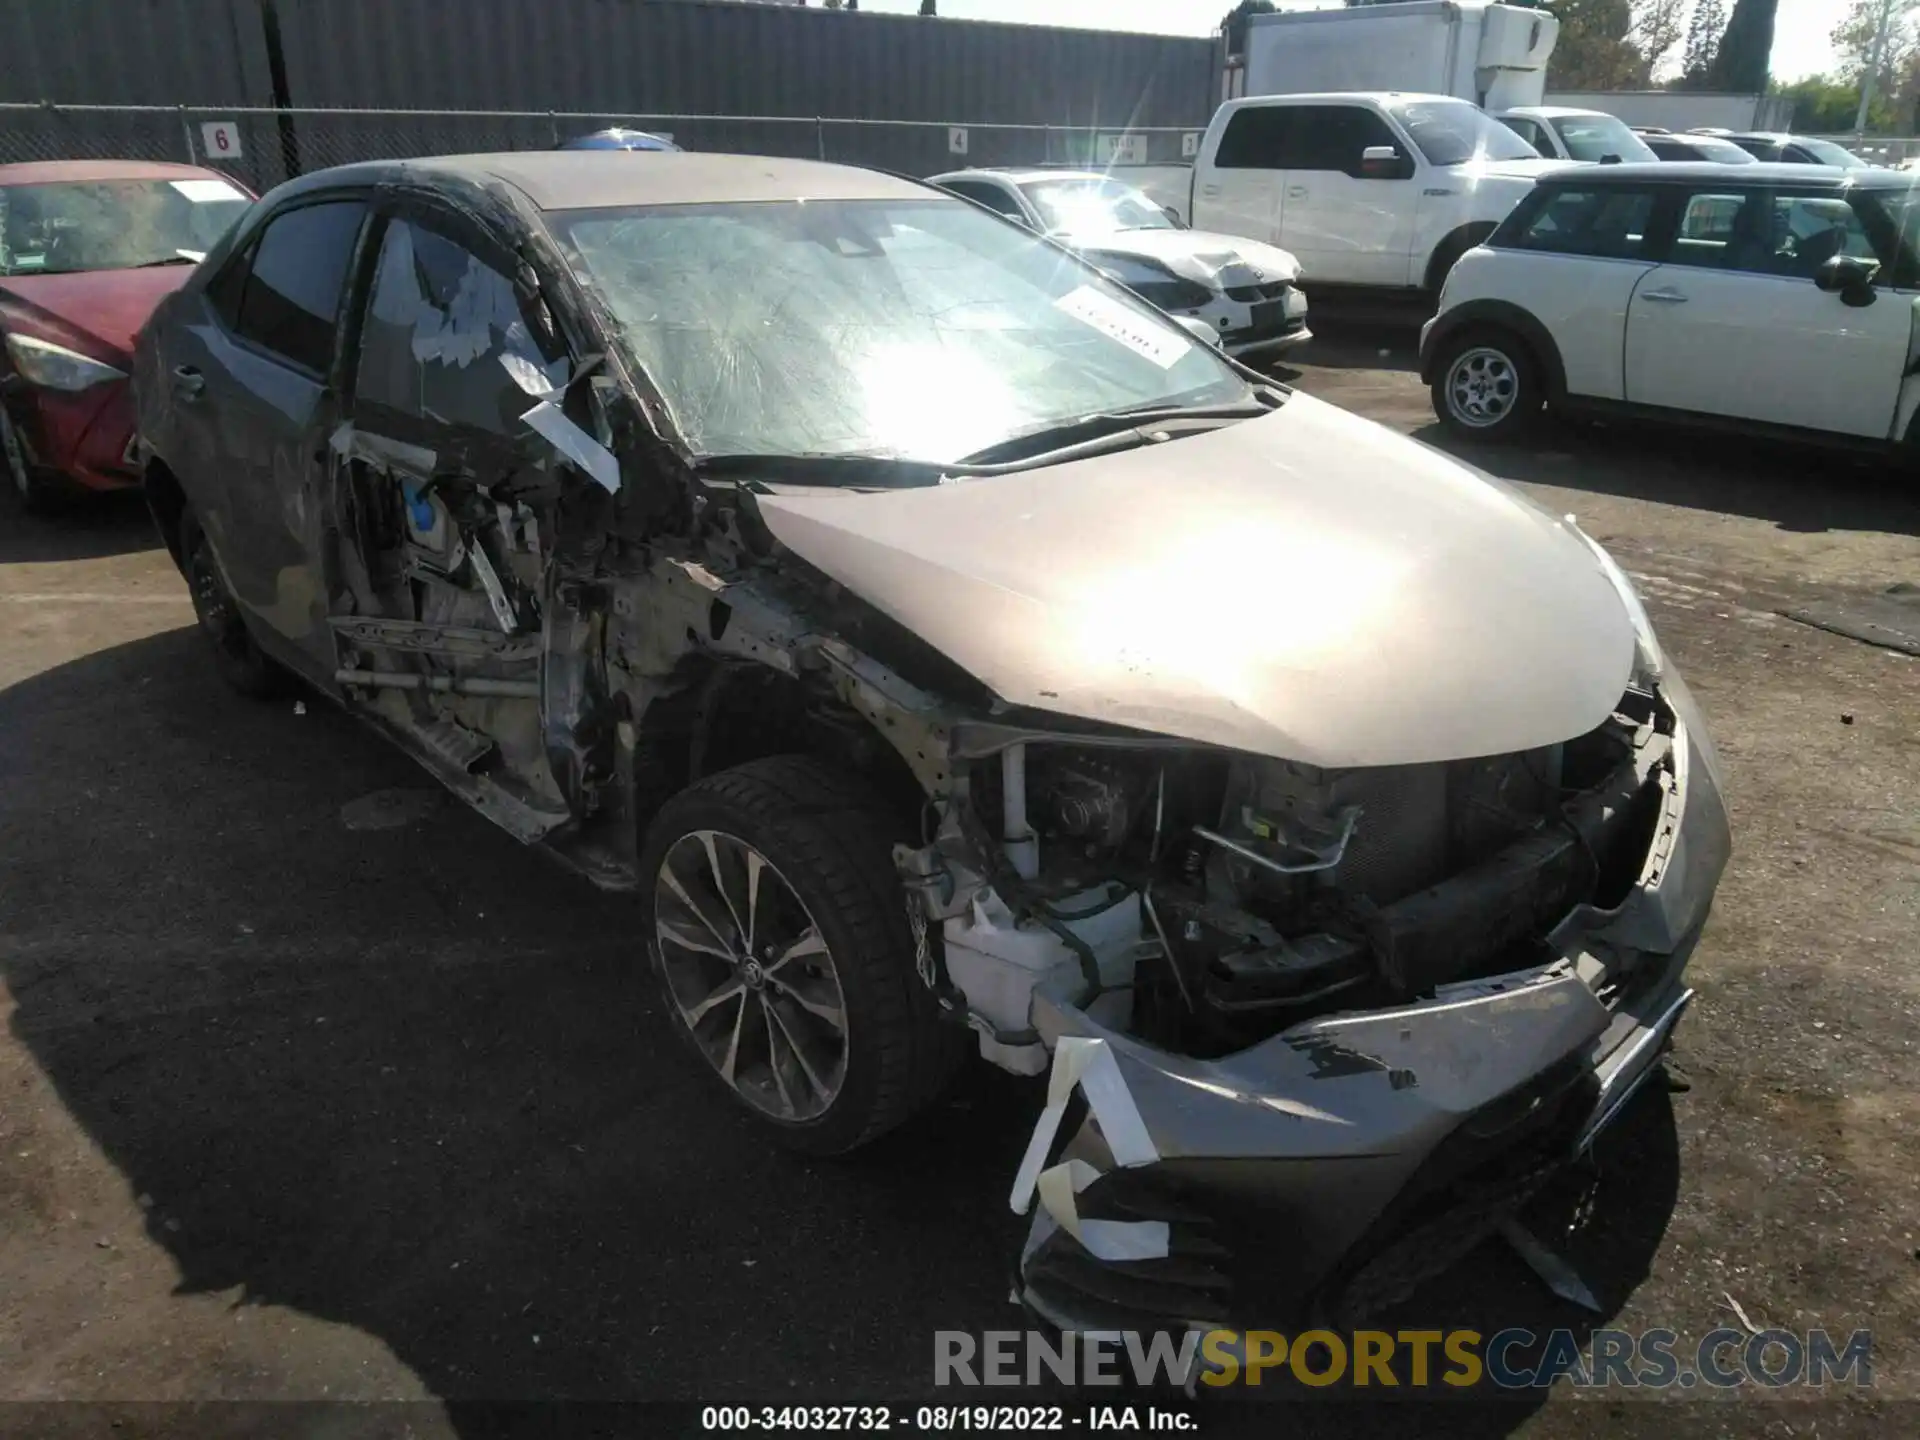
<point>124,52</point>
<point>133,52</point>
<point>613,57</point>
<point>687,57</point>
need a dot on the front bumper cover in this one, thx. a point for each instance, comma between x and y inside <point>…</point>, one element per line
<point>1332,1167</point>
<point>1265,323</point>
<point>84,435</point>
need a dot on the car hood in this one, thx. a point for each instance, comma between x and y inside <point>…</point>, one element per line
<point>1306,585</point>
<point>98,311</point>
<point>1215,261</point>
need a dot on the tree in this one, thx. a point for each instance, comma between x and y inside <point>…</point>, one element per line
<point>1656,30</point>
<point>1703,40</point>
<point>1826,105</point>
<point>1896,83</point>
<point>1740,60</point>
<point>926,7</point>
<point>1613,44</point>
<point>1233,24</point>
<point>1594,51</point>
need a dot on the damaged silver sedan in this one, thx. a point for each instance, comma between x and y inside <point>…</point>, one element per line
<point>954,655</point>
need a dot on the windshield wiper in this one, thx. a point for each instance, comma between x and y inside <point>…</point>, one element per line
<point>852,471</point>
<point>1098,434</point>
<point>164,260</point>
<point>1068,433</point>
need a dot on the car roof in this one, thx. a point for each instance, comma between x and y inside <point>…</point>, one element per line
<point>53,172</point>
<point>1325,97</point>
<point>589,179</point>
<point>1015,175</point>
<point>1552,112</point>
<point>1691,172</point>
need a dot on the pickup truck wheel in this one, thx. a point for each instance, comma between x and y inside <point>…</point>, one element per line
<point>240,661</point>
<point>1487,386</point>
<point>779,932</point>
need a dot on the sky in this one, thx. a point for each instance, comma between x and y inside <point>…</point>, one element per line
<point>1801,43</point>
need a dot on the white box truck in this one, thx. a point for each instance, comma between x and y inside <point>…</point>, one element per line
<point>1491,54</point>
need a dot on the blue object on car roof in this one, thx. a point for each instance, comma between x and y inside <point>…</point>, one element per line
<point>618,139</point>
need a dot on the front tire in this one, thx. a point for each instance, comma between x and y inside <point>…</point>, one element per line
<point>240,661</point>
<point>1486,386</point>
<point>38,492</point>
<point>778,931</point>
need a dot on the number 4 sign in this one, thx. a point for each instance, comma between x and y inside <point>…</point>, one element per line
<point>221,139</point>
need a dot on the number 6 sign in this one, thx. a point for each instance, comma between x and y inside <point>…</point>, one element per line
<point>220,139</point>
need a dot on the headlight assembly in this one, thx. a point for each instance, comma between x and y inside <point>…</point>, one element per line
<point>55,367</point>
<point>1649,660</point>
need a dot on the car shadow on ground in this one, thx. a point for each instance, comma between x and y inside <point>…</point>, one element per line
<point>1801,488</point>
<point>87,527</point>
<point>1350,344</point>
<point>413,1080</point>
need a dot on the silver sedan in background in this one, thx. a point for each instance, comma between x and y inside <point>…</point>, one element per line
<point>1248,292</point>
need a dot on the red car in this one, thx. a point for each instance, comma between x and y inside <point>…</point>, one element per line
<point>87,249</point>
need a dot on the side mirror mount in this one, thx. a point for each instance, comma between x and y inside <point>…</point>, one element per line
<point>1848,276</point>
<point>1609,159</point>
<point>1384,162</point>
<point>1199,329</point>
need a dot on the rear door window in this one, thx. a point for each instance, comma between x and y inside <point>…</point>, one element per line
<point>290,304</point>
<point>1607,222</point>
<point>1256,138</point>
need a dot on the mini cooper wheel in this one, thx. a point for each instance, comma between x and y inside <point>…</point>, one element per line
<point>778,932</point>
<point>240,661</point>
<point>1485,386</point>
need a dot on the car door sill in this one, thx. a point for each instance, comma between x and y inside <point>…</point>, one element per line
<point>1590,408</point>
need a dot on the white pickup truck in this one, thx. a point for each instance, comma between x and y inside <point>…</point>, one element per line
<point>1368,189</point>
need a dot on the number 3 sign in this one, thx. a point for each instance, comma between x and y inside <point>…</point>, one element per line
<point>221,139</point>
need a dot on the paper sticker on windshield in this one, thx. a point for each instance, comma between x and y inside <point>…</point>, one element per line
<point>1137,332</point>
<point>201,192</point>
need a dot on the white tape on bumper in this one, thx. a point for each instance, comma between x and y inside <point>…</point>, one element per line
<point>1088,1063</point>
<point>1103,1239</point>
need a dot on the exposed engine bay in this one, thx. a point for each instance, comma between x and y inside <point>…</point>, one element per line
<point>1203,900</point>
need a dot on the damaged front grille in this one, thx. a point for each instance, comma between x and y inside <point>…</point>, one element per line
<point>1472,1183</point>
<point>1233,896</point>
<point>1266,290</point>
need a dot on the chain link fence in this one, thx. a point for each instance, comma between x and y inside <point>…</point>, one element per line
<point>262,147</point>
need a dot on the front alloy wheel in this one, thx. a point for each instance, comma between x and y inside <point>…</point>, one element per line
<point>1486,389</point>
<point>752,977</point>
<point>780,936</point>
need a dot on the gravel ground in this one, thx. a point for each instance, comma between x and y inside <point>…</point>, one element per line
<point>304,1095</point>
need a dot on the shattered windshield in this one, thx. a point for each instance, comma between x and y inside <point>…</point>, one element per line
<point>66,226</point>
<point>1080,205</point>
<point>1452,132</point>
<point>919,330</point>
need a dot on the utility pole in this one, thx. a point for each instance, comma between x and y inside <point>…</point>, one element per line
<point>1874,54</point>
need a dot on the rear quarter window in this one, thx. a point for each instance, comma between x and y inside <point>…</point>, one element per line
<point>1604,222</point>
